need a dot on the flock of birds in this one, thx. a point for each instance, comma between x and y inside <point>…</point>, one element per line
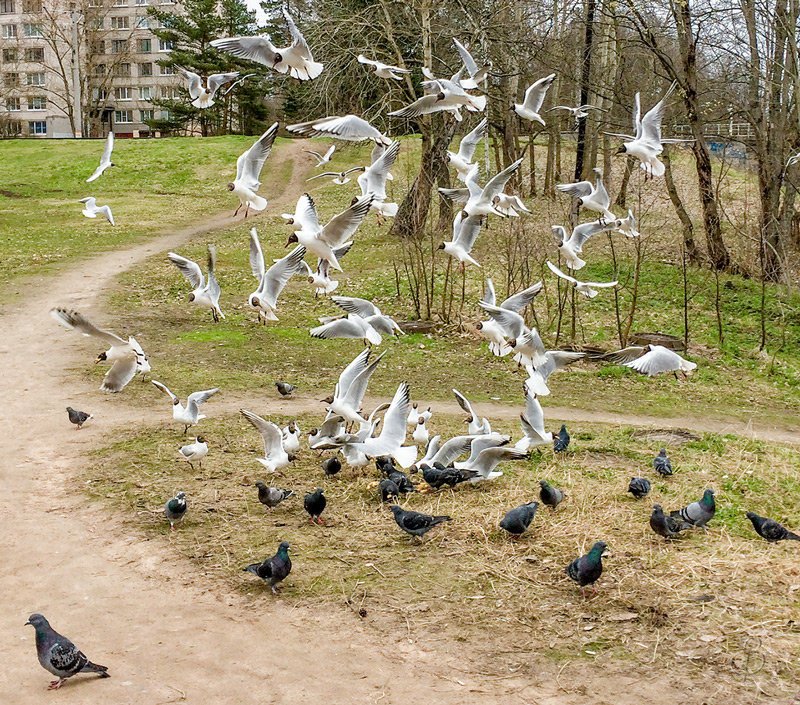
<point>470,458</point>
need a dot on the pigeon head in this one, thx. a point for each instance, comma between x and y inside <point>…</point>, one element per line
<point>102,356</point>
<point>284,547</point>
<point>662,452</point>
<point>657,508</point>
<point>231,186</point>
<point>621,150</point>
<point>318,491</point>
<point>599,547</point>
<point>261,485</point>
<point>181,495</point>
<point>543,484</point>
<point>396,509</point>
<point>292,238</point>
<point>191,296</point>
<point>751,516</point>
<point>37,621</point>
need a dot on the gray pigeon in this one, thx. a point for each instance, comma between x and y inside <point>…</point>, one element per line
<point>285,389</point>
<point>561,440</point>
<point>698,513</point>
<point>770,529</point>
<point>273,570</point>
<point>517,521</point>
<point>78,417</point>
<point>271,496</point>
<point>639,487</point>
<point>662,464</point>
<point>551,496</point>
<point>665,525</point>
<point>587,569</point>
<point>175,509</point>
<point>388,489</point>
<point>314,503</point>
<point>415,523</point>
<point>59,655</point>
<point>331,466</point>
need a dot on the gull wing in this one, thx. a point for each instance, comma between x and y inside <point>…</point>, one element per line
<point>463,402</point>
<point>511,322</point>
<point>555,270</point>
<point>519,301</point>
<point>361,307</point>
<point>197,398</point>
<point>189,268</point>
<point>279,274</point>
<point>195,83</point>
<point>305,214</point>
<point>121,372</point>
<point>342,226</point>
<point>258,49</point>
<point>215,80</point>
<point>355,392</point>
<point>489,296</point>
<point>651,122</point>
<point>581,189</point>
<point>273,438</point>
<point>164,389</point>
<point>496,184</point>
<point>452,449</point>
<point>393,432</point>
<point>535,95</point>
<point>76,321</point>
<point>586,230</point>
<point>466,150</point>
<point>468,230</point>
<point>257,264</point>
<point>625,355</point>
<point>358,364</point>
<point>250,164</point>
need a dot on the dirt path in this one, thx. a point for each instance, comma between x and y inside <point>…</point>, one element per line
<point>131,605</point>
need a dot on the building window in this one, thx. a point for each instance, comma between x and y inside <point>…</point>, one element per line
<point>12,104</point>
<point>33,30</point>
<point>142,22</point>
<point>95,3</point>
<point>145,69</point>
<point>37,127</point>
<point>35,55</point>
<point>167,70</point>
<point>100,70</point>
<point>121,116</point>
<point>166,115</point>
<point>141,2</point>
<point>32,6</point>
<point>119,46</point>
<point>12,79</point>
<point>9,31</point>
<point>122,93</point>
<point>122,70</point>
<point>35,79</point>
<point>100,94</point>
<point>37,102</point>
<point>145,46</point>
<point>6,7</point>
<point>96,23</point>
<point>9,55</point>
<point>164,45</point>
<point>119,23</point>
<point>145,115</point>
<point>120,3</point>
<point>146,93</point>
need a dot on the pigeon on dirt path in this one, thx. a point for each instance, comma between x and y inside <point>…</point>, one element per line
<point>662,463</point>
<point>551,496</point>
<point>665,525</point>
<point>698,513</point>
<point>285,389</point>
<point>78,417</point>
<point>587,569</point>
<point>639,487</point>
<point>314,503</point>
<point>415,523</point>
<point>770,529</point>
<point>517,521</point>
<point>273,570</point>
<point>271,496</point>
<point>175,509</point>
<point>59,655</point>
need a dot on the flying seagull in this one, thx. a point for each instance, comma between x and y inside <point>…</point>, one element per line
<point>476,75</point>
<point>350,128</point>
<point>339,177</point>
<point>322,158</point>
<point>105,160</point>
<point>203,96</point>
<point>248,172</point>
<point>651,360</point>
<point>534,97</point>
<point>461,161</point>
<point>190,414</point>
<point>571,245</point>
<point>91,209</point>
<point>383,70</point>
<point>206,291</point>
<point>586,288</point>
<point>272,281</point>
<point>591,195</point>
<point>275,456</point>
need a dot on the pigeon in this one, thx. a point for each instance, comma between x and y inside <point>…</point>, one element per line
<point>273,570</point>
<point>534,97</point>
<point>383,70</point>
<point>322,159</point>
<point>203,96</point>
<point>461,161</point>
<point>126,355</point>
<point>291,437</point>
<point>570,246</point>
<point>665,525</point>
<point>190,414</point>
<point>516,521</point>
<point>770,529</point>
<point>78,417</point>
<point>415,523</point>
<point>350,128</point>
<point>438,476</point>
<point>551,496</point>
<point>314,503</point>
<point>561,440</point>
<point>639,487</point>
<point>272,281</point>
<point>651,360</point>
<point>389,491</point>
<point>206,292</point>
<point>698,513</point>
<point>591,195</point>
<point>91,209</point>
<point>271,497</point>
<point>662,463</point>
<point>331,466</point>
<point>248,170</point>
<point>105,160</point>
<point>340,178</point>
<point>403,482</point>
<point>588,289</point>
<point>59,655</point>
<point>587,569</point>
<point>175,509</point>
<point>285,389</point>
<point>195,452</point>
<point>275,455</point>
<point>295,59</point>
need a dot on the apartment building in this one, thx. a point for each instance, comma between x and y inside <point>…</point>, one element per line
<point>118,73</point>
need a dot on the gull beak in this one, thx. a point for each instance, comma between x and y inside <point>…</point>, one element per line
<point>98,359</point>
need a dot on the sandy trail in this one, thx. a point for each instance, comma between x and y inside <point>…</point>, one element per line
<point>133,606</point>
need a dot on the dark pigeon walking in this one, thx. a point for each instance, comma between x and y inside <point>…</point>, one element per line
<point>415,523</point>
<point>517,520</point>
<point>175,509</point>
<point>662,463</point>
<point>273,570</point>
<point>59,655</point>
<point>271,496</point>
<point>439,476</point>
<point>78,417</point>
<point>285,389</point>
<point>561,440</point>
<point>314,504</point>
<point>389,491</point>
<point>385,465</point>
<point>331,466</point>
<point>587,569</point>
<point>639,487</point>
<point>665,525</point>
<point>698,513</point>
<point>551,496</point>
<point>770,529</point>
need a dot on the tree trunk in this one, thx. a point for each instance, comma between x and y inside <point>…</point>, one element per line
<point>690,247</point>
<point>586,73</point>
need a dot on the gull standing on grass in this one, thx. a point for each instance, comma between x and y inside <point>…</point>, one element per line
<point>272,281</point>
<point>275,456</point>
<point>91,209</point>
<point>248,172</point>
<point>591,195</point>
<point>534,97</point>
<point>206,291</point>
<point>586,288</point>
<point>383,70</point>
<point>190,414</point>
<point>194,452</point>
<point>105,160</point>
<point>203,96</point>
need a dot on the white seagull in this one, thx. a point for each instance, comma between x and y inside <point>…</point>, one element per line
<point>321,278</point>
<point>350,128</point>
<point>532,423</point>
<point>126,355</point>
<point>275,456</point>
<point>351,387</point>
<point>476,75</point>
<point>351,326</point>
<point>190,414</point>
<point>373,181</point>
<point>475,425</point>
<point>322,159</point>
<point>291,437</point>
<point>534,97</point>
<point>194,452</point>
<point>591,195</point>
<point>483,201</point>
<point>248,172</point>
<point>461,161</point>
<point>442,95</point>
<point>370,313</point>
<point>272,281</point>
<point>105,160</point>
<point>651,360</point>
<point>491,329</point>
<point>586,288</point>
<point>203,96</point>
<point>627,225</point>
<point>465,232</point>
<point>91,209</point>
<point>339,177</point>
<point>383,70</point>
<point>296,59</point>
<point>206,291</point>
<point>489,458</point>
<point>571,246</point>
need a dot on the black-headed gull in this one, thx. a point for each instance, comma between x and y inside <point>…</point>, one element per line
<point>491,329</point>
<point>272,281</point>
<point>350,128</point>
<point>465,232</point>
<point>570,246</point>
<point>461,161</point>
<point>124,354</point>
<point>383,70</point>
<point>370,313</point>
<point>475,425</point>
<point>447,96</point>
<point>206,291</point>
<point>489,458</point>
<point>339,177</point>
<point>91,209</point>
<point>547,362</point>
<point>586,288</point>
<point>532,423</point>
<point>331,434</point>
<point>593,196</point>
<point>373,181</point>
<point>421,433</point>
<point>296,59</point>
<point>190,414</point>
<point>350,326</point>
<point>105,160</point>
<point>194,452</point>
<point>627,225</point>
<point>534,97</point>
<point>203,96</point>
<point>322,159</point>
<point>275,456</point>
<point>351,387</point>
<point>291,437</point>
<point>248,172</point>
<point>579,112</point>
<point>475,74</point>
<point>651,360</point>
<point>321,278</point>
<point>483,200</point>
